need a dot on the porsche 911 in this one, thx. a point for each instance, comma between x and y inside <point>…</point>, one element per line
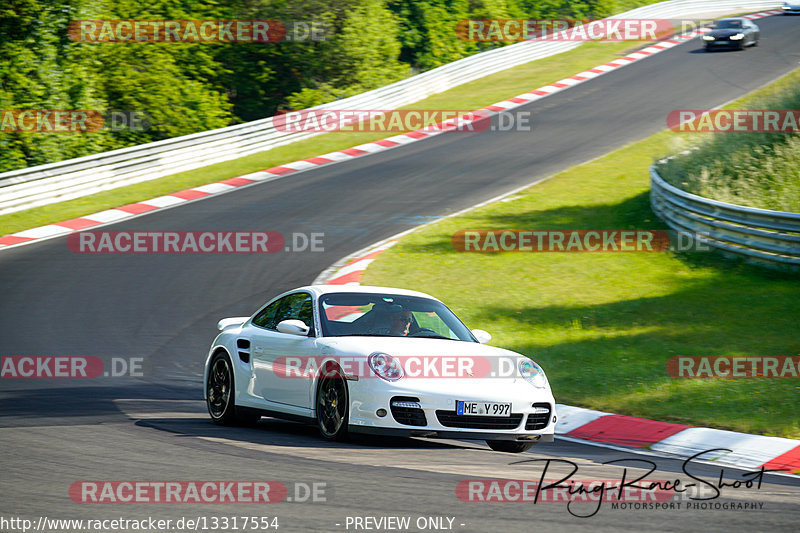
<point>375,360</point>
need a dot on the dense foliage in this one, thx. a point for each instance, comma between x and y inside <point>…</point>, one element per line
<point>189,87</point>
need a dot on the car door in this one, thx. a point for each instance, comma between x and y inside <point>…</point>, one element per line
<point>752,31</point>
<point>269,349</point>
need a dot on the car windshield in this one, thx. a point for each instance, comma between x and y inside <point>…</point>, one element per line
<point>729,25</point>
<point>389,315</point>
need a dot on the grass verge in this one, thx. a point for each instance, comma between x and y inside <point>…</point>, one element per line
<point>603,325</point>
<point>473,95</point>
<point>746,168</point>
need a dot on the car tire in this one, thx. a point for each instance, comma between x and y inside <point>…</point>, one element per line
<point>221,395</point>
<point>509,446</point>
<point>333,404</point>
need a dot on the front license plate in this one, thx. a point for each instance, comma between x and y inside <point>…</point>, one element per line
<point>483,408</point>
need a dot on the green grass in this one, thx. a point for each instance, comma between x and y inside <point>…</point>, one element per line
<point>603,325</point>
<point>473,95</point>
<point>752,169</point>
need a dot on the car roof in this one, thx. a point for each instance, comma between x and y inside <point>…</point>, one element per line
<point>367,289</point>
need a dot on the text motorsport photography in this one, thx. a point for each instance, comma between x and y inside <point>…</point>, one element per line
<point>584,498</point>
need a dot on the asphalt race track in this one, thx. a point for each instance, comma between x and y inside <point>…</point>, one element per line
<point>164,309</point>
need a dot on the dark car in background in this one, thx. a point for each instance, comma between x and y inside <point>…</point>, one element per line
<point>736,33</point>
<point>791,8</point>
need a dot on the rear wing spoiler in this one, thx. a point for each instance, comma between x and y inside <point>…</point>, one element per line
<point>231,322</point>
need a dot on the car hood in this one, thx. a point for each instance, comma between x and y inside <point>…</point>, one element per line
<point>489,364</point>
<point>725,32</point>
<point>408,346</point>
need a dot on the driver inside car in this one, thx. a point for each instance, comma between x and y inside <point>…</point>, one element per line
<point>400,322</point>
<point>396,322</point>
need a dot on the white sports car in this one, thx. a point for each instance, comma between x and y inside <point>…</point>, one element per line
<point>375,360</point>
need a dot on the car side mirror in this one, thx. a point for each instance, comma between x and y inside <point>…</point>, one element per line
<point>482,336</point>
<point>293,327</point>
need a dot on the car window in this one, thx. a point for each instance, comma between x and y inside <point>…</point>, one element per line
<point>367,314</point>
<point>265,317</point>
<point>296,306</point>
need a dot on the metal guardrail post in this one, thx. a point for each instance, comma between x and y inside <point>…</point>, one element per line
<point>770,238</point>
<point>54,182</point>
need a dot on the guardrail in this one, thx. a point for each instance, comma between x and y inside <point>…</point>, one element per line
<point>771,238</point>
<point>66,180</point>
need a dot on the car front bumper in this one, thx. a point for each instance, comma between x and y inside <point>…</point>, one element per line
<point>724,43</point>
<point>436,417</point>
<point>461,434</point>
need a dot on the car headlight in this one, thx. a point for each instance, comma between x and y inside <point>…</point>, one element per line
<point>532,373</point>
<point>708,37</point>
<point>737,37</point>
<point>385,366</point>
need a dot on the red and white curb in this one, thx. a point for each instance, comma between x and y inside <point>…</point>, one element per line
<point>731,448</point>
<point>197,193</point>
<point>351,272</point>
<point>744,450</point>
